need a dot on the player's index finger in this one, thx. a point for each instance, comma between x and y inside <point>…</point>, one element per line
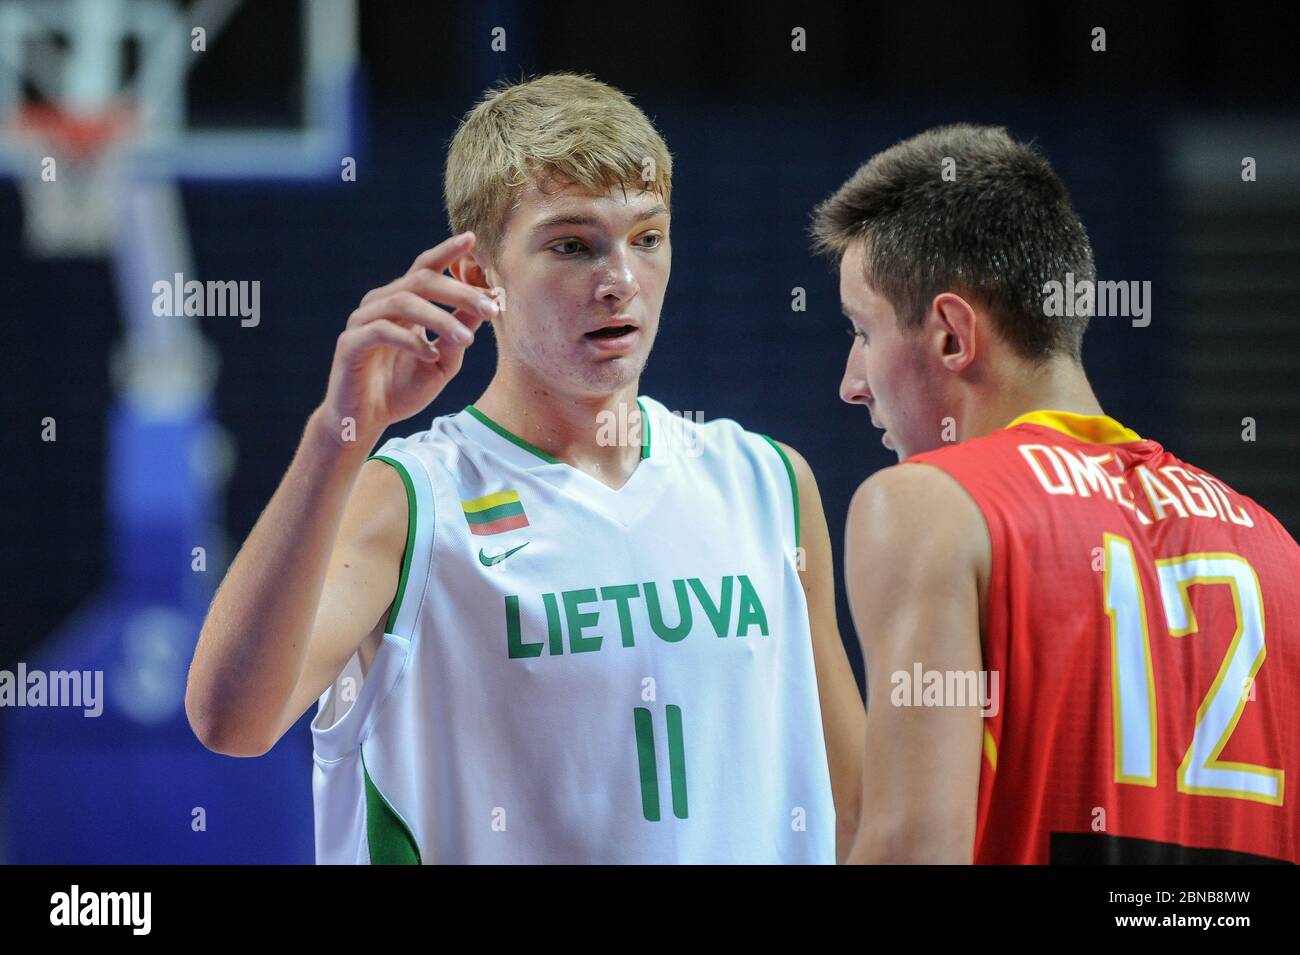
<point>444,253</point>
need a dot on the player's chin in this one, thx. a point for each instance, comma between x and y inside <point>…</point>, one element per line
<point>612,374</point>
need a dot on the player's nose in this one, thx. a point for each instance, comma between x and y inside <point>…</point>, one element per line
<point>853,386</point>
<point>617,282</point>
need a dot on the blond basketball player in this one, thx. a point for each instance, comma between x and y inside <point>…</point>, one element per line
<point>561,624</point>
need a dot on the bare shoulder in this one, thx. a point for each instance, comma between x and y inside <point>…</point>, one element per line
<point>802,471</point>
<point>918,516</point>
<point>380,479</point>
<point>925,497</point>
<point>376,518</point>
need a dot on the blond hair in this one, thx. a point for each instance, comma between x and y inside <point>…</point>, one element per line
<point>561,126</point>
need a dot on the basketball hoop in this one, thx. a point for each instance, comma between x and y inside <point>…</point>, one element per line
<point>69,183</point>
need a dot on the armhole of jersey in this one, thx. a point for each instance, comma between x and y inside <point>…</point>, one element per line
<point>794,484</point>
<point>339,728</point>
<point>997,555</point>
<point>416,558</point>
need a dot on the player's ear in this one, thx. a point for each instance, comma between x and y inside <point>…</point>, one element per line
<point>472,269</point>
<point>957,324</point>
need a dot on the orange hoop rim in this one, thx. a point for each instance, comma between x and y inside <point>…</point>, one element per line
<point>80,136</point>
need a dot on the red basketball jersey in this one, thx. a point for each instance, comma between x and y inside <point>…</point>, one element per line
<point>1142,618</point>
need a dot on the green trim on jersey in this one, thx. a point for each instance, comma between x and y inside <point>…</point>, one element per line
<point>794,483</point>
<point>410,539</point>
<point>391,841</point>
<point>645,431</point>
<point>510,436</point>
<point>533,449</point>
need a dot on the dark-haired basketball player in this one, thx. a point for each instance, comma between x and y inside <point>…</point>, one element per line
<point>1079,646</point>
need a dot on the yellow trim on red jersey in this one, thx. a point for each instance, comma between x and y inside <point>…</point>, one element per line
<point>990,749</point>
<point>1093,428</point>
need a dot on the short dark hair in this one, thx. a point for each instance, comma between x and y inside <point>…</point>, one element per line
<point>998,232</point>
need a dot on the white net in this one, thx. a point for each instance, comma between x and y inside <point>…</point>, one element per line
<point>69,181</point>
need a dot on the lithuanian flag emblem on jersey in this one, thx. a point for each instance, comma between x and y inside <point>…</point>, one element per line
<point>495,513</point>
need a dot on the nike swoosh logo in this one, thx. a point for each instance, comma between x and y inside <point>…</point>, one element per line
<point>487,561</point>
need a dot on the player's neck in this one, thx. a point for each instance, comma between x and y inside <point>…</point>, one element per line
<point>572,428</point>
<point>1056,385</point>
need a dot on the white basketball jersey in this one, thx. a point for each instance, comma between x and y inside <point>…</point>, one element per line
<point>576,674</point>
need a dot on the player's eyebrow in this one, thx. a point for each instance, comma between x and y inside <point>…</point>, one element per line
<point>847,314</point>
<point>575,218</point>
